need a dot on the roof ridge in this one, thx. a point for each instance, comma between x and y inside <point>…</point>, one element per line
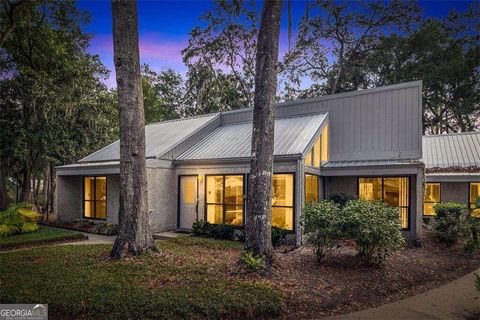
<point>182,119</point>
<point>450,134</point>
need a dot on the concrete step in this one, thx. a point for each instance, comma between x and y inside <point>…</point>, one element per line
<point>168,235</point>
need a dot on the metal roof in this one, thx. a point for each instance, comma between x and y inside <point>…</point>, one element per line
<point>368,163</point>
<point>233,141</point>
<point>457,150</point>
<point>160,138</point>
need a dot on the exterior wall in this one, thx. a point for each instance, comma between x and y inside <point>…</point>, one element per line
<point>454,192</point>
<point>349,185</point>
<point>69,198</point>
<point>162,200</point>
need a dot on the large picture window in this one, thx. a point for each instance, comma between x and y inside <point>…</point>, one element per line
<point>432,197</point>
<point>95,197</point>
<point>319,151</point>
<point>391,190</point>
<point>474,194</point>
<point>311,188</point>
<point>224,199</point>
<point>282,201</point>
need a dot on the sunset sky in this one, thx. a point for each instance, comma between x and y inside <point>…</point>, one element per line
<point>164,28</point>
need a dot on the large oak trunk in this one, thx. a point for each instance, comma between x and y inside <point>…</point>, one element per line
<point>134,236</point>
<point>258,223</point>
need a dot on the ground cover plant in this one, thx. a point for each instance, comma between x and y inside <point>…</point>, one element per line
<point>43,235</point>
<point>17,219</point>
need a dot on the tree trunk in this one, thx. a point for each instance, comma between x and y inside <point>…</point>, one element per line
<point>26,184</point>
<point>3,189</point>
<point>134,236</point>
<point>258,223</point>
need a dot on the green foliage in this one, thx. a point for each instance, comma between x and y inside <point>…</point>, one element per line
<point>341,199</point>
<point>451,222</point>
<point>251,262</point>
<point>278,236</point>
<point>20,218</point>
<point>472,243</point>
<point>105,228</point>
<point>43,235</point>
<point>217,231</point>
<point>201,228</point>
<point>375,227</point>
<point>322,226</point>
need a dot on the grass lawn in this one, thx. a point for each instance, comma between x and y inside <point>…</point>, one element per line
<point>43,235</point>
<point>200,278</point>
<point>82,282</point>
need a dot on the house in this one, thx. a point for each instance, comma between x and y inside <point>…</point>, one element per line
<point>452,165</point>
<point>367,143</point>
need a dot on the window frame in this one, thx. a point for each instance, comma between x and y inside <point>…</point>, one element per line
<point>244,190</point>
<point>470,203</point>
<point>311,152</point>
<point>94,197</point>
<point>293,202</point>
<point>305,187</point>
<point>383,194</point>
<point>439,200</point>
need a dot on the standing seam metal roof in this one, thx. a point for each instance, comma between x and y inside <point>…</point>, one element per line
<point>292,136</point>
<point>160,138</point>
<point>456,150</point>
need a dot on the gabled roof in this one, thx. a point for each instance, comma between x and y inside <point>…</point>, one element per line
<point>293,135</point>
<point>160,138</point>
<point>452,152</point>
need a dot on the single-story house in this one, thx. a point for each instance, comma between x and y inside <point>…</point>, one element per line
<point>452,165</point>
<point>367,143</point>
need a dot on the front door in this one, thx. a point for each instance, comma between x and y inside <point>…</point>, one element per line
<point>188,201</point>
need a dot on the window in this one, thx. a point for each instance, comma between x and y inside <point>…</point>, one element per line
<point>474,194</point>
<point>311,188</point>
<point>319,151</point>
<point>95,197</point>
<point>282,201</point>
<point>432,197</point>
<point>224,199</point>
<point>391,190</point>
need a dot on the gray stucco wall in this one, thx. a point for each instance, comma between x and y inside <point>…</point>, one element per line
<point>68,195</point>
<point>162,200</point>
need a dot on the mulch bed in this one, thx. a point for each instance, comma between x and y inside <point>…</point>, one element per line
<point>343,284</point>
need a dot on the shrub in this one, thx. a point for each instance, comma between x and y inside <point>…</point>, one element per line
<point>341,199</point>
<point>222,231</point>
<point>473,235</point>
<point>251,262</point>
<point>278,236</point>
<point>450,222</point>
<point>322,226</point>
<point>374,227</point>
<point>20,218</point>
<point>106,229</point>
<point>201,228</point>
<point>477,281</point>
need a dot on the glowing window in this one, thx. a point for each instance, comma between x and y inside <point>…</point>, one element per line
<point>282,201</point>
<point>432,197</point>
<point>474,194</point>
<point>319,151</point>
<point>393,191</point>
<point>224,195</point>
<point>311,188</point>
<point>95,197</point>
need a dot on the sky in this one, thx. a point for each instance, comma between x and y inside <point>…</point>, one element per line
<point>164,28</point>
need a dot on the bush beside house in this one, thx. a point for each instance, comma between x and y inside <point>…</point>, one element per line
<point>374,227</point>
